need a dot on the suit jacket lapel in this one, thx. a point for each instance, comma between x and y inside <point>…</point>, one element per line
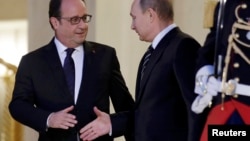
<point>153,60</point>
<point>53,60</point>
<point>163,44</point>
<point>87,72</point>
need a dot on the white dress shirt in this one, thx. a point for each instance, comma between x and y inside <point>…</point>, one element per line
<point>78,57</point>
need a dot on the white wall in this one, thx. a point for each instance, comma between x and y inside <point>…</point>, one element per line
<point>189,16</point>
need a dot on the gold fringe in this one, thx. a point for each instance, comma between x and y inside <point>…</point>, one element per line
<point>10,130</point>
<point>209,13</point>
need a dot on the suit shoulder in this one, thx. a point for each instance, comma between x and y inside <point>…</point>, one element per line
<point>182,34</point>
<point>185,36</point>
<point>37,55</point>
<point>186,39</point>
<point>97,45</point>
<point>36,52</point>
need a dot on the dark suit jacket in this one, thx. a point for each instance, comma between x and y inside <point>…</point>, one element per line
<point>41,88</point>
<point>165,94</point>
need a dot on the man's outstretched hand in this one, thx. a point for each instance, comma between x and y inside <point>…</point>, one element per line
<point>98,127</point>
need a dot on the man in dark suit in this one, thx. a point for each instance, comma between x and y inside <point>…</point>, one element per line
<point>164,90</point>
<point>42,98</point>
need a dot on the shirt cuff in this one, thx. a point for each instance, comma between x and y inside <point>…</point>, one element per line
<point>110,131</point>
<point>47,123</point>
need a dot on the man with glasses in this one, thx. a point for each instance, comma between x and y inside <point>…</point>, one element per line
<point>58,85</point>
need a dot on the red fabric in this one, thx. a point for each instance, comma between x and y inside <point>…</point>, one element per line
<point>220,117</point>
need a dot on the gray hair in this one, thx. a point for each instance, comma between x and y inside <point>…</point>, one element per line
<point>164,8</point>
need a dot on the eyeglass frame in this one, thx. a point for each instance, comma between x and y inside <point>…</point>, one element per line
<point>70,19</point>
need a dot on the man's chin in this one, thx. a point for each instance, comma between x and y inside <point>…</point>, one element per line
<point>80,40</point>
<point>142,39</point>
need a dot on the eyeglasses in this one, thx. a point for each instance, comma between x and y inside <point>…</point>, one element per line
<point>76,20</point>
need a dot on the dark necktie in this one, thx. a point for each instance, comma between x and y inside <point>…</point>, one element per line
<point>69,70</point>
<point>146,58</point>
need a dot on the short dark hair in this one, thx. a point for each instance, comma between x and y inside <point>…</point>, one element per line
<point>164,8</point>
<point>54,8</point>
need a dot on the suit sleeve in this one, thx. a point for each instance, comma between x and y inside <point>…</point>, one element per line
<point>22,107</point>
<point>184,66</point>
<point>122,101</point>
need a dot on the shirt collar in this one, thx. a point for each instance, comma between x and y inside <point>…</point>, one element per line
<point>158,38</point>
<point>61,48</point>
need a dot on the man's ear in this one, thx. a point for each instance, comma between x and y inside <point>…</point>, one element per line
<point>151,14</point>
<point>54,22</point>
